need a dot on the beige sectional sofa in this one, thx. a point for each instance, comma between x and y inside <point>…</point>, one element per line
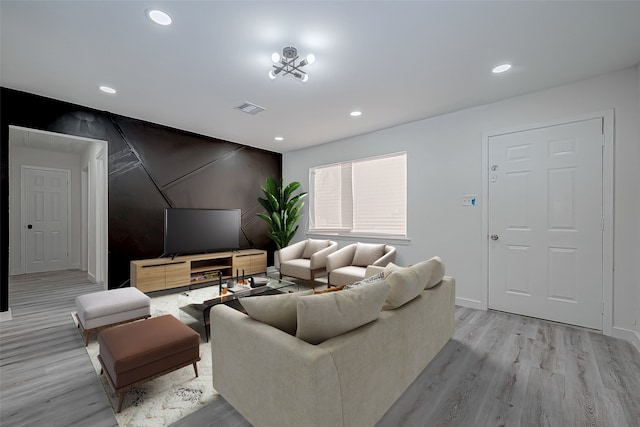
<point>275,379</point>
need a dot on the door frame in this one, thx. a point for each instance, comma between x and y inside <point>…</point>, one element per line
<point>607,205</point>
<point>23,210</point>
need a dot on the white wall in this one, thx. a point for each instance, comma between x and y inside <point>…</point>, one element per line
<point>637,255</point>
<point>88,162</point>
<point>444,163</point>
<point>19,156</point>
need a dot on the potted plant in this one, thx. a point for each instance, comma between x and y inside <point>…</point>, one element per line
<point>282,210</point>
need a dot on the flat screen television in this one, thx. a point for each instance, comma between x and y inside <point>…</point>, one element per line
<point>191,231</point>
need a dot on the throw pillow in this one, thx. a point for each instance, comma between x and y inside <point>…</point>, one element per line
<point>373,279</point>
<point>432,268</point>
<point>404,286</point>
<point>321,317</point>
<point>313,246</point>
<point>279,311</point>
<point>423,271</point>
<point>324,291</point>
<point>437,271</point>
<point>367,253</point>
<point>391,267</point>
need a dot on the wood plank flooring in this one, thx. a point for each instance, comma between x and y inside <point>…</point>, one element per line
<point>507,370</point>
<point>46,377</point>
<point>498,370</point>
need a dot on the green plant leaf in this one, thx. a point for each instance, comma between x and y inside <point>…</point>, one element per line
<point>282,210</point>
<point>266,217</point>
<point>290,189</point>
<point>274,204</point>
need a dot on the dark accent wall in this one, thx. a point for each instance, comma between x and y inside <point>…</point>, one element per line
<point>150,167</point>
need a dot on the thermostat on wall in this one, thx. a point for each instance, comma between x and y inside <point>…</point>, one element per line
<point>470,200</point>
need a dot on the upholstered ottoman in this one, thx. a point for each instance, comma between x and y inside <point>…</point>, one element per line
<point>100,310</point>
<point>137,352</point>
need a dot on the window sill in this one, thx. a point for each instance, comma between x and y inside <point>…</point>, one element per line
<point>360,237</point>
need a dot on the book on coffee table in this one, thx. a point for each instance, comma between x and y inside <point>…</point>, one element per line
<point>239,288</point>
<point>260,281</point>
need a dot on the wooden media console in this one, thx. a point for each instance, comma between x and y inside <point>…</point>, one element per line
<point>158,274</point>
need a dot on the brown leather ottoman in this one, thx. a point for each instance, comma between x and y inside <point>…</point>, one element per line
<point>137,352</point>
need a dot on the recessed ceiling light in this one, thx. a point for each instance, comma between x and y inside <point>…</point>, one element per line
<point>356,113</point>
<point>107,89</point>
<point>279,138</point>
<point>160,17</point>
<point>501,68</point>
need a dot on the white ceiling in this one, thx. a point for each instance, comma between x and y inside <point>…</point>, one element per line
<point>396,61</point>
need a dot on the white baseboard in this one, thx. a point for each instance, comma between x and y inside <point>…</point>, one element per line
<point>471,303</point>
<point>627,334</point>
<point>91,277</point>
<point>5,315</point>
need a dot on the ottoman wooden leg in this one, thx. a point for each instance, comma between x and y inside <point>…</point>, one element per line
<point>195,368</point>
<point>120,399</point>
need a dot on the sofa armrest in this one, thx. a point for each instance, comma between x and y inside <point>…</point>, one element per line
<point>341,258</point>
<point>319,259</point>
<point>373,270</point>
<point>376,363</point>
<point>389,256</point>
<point>293,251</point>
<point>253,364</point>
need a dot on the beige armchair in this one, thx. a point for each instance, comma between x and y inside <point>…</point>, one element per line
<point>349,264</point>
<point>306,259</point>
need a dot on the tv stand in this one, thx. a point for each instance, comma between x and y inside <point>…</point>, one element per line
<point>157,274</point>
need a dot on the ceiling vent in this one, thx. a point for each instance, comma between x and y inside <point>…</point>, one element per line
<point>250,108</point>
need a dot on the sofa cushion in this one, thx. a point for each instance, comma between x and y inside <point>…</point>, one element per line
<point>391,267</point>
<point>278,311</point>
<point>372,279</point>
<point>430,272</point>
<point>404,285</point>
<point>347,275</point>
<point>423,272</point>
<point>321,317</point>
<point>437,271</point>
<point>367,253</point>
<point>313,246</point>
<point>296,268</point>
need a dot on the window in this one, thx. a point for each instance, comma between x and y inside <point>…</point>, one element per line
<point>363,197</point>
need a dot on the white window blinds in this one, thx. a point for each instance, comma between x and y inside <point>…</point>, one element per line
<point>365,197</point>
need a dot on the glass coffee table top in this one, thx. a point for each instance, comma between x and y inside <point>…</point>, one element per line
<point>196,303</point>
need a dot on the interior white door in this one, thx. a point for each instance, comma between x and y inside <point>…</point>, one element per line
<point>545,223</point>
<point>46,195</point>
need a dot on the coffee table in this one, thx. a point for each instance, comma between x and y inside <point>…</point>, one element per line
<point>197,303</point>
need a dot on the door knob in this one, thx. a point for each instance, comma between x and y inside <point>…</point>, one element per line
<point>494,237</point>
<point>29,226</point>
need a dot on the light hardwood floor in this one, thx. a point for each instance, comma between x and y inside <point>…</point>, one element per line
<point>506,370</point>
<point>498,370</point>
<point>46,377</point>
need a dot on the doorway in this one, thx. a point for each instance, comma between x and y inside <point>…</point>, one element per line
<point>43,153</point>
<point>548,222</point>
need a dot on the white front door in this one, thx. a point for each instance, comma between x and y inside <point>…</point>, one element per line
<point>46,222</point>
<point>545,223</point>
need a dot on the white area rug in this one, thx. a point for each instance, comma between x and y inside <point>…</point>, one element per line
<point>164,400</point>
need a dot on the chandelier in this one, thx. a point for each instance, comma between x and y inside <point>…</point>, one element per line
<point>285,64</point>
